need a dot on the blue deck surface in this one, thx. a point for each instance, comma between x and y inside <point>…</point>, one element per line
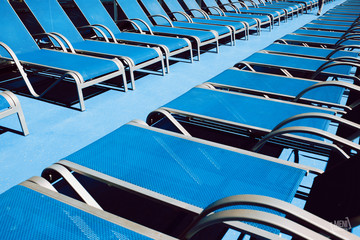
<point>56,132</point>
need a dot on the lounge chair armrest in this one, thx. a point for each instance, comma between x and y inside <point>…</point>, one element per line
<point>132,21</point>
<point>96,30</point>
<point>325,116</point>
<point>185,15</point>
<point>218,10</point>
<point>309,130</point>
<point>20,68</point>
<point>65,40</point>
<point>163,17</point>
<point>107,30</point>
<point>342,47</point>
<point>51,37</point>
<point>292,212</point>
<point>254,4</point>
<point>234,8</point>
<point>347,61</point>
<point>285,225</point>
<point>202,12</point>
<point>242,4</point>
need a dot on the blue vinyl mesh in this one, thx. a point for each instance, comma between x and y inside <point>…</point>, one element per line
<point>277,84</point>
<point>306,51</point>
<point>318,33</point>
<point>191,172</point>
<point>308,64</point>
<point>258,112</point>
<point>320,40</point>
<point>26,214</point>
<point>3,103</point>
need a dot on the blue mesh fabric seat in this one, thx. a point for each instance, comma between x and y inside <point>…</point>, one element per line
<point>326,27</point>
<point>198,176</point>
<point>52,18</point>
<point>318,33</point>
<point>268,83</point>
<point>301,65</point>
<point>311,52</point>
<point>27,214</point>
<point>244,109</point>
<point>318,40</point>
<point>84,70</point>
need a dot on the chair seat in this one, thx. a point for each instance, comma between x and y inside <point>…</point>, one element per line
<point>276,84</point>
<point>199,176</point>
<point>319,33</point>
<point>318,40</point>
<point>172,43</point>
<point>221,30</point>
<point>137,54</point>
<point>26,214</point>
<point>263,18</point>
<point>252,10</point>
<point>326,27</point>
<point>202,35</point>
<point>296,63</point>
<point>70,62</point>
<point>237,25</point>
<point>308,51</point>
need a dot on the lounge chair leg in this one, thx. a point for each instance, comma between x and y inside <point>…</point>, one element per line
<point>81,98</point>
<point>124,81</point>
<point>132,78</point>
<point>22,121</point>
<point>167,64</point>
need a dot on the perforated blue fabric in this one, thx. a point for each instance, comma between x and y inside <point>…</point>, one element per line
<point>26,214</point>
<point>321,40</point>
<point>88,67</point>
<point>308,64</point>
<point>306,51</point>
<point>3,103</point>
<point>326,27</point>
<point>191,172</point>
<point>331,22</point>
<point>202,35</point>
<point>276,84</point>
<point>318,33</point>
<point>258,112</point>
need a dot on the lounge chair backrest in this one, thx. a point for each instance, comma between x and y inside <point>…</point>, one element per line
<point>13,32</point>
<point>52,18</point>
<point>154,7</point>
<point>174,5</point>
<point>132,9</point>
<point>191,4</point>
<point>96,13</point>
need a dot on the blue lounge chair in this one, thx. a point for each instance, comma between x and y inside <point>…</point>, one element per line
<point>56,21</point>
<point>19,48</point>
<point>218,14</point>
<point>98,17</point>
<point>28,211</point>
<point>196,10</point>
<point>239,120</point>
<point>345,42</point>
<point>237,25</point>
<point>140,20</point>
<point>309,52</point>
<point>282,87</point>
<point>160,17</point>
<point>318,33</point>
<point>301,66</point>
<point>182,173</point>
<point>10,104</point>
<point>227,6</point>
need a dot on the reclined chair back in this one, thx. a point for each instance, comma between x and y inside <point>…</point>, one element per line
<point>154,8</point>
<point>53,19</point>
<point>95,12</point>
<point>132,10</point>
<point>14,34</point>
